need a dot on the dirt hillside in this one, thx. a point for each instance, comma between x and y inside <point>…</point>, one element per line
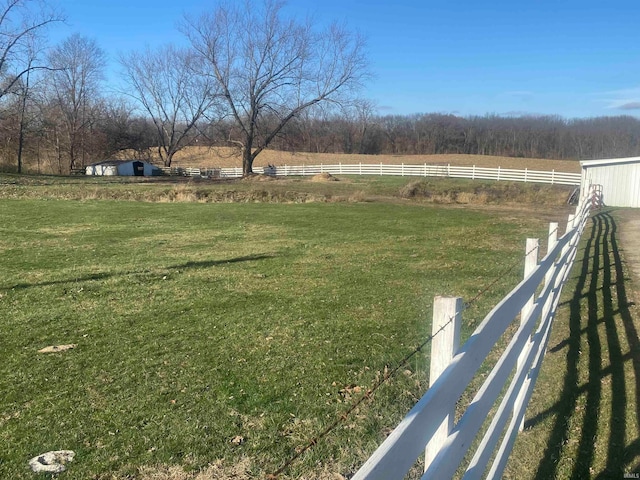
<point>224,157</point>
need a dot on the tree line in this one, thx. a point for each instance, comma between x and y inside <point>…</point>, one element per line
<point>544,136</point>
<point>249,78</point>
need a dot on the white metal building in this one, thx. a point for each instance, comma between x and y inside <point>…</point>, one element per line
<point>619,178</point>
<point>122,167</point>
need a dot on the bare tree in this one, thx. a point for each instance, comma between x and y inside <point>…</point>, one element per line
<point>355,120</point>
<point>164,83</point>
<point>124,130</point>
<point>23,94</point>
<point>21,21</point>
<point>24,90</point>
<point>22,24</point>
<point>79,69</point>
<point>268,67</point>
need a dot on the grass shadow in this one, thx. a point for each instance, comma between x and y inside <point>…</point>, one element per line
<point>105,275</point>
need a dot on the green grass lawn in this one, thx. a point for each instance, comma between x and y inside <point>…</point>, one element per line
<point>197,324</point>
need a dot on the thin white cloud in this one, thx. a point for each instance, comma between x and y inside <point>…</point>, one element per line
<point>624,99</point>
<point>629,106</point>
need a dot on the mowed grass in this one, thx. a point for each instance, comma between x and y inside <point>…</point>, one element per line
<point>226,334</point>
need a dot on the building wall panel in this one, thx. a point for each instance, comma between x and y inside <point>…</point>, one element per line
<point>620,180</point>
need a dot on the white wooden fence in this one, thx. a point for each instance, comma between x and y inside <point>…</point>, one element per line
<point>430,424</point>
<point>425,170</point>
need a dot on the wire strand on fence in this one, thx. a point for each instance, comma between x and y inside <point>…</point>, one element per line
<point>387,374</point>
<point>490,285</point>
<point>390,373</point>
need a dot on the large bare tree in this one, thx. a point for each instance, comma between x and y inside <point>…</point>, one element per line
<point>164,82</point>
<point>270,68</point>
<point>79,65</point>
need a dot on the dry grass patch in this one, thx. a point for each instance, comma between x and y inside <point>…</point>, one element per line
<point>476,193</point>
<point>219,470</point>
<point>324,177</point>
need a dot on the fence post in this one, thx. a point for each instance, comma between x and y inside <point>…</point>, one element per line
<point>532,249</point>
<point>530,263</point>
<point>445,329</point>
<point>498,173</point>
<point>551,243</point>
<point>570,225</point>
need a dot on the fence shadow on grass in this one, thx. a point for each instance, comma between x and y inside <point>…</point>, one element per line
<point>599,319</point>
<point>106,275</point>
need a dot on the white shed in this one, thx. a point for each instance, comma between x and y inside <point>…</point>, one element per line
<point>618,177</point>
<point>122,167</point>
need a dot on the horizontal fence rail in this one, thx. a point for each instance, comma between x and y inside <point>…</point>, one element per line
<point>507,388</point>
<point>423,170</point>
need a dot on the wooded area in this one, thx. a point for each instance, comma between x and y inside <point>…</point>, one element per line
<point>554,137</point>
<point>283,84</point>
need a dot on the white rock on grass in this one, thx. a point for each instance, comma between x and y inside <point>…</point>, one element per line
<point>51,462</point>
<point>57,348</point>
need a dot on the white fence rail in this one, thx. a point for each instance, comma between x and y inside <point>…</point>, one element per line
<point>424,170</point>
<point>430,423</point>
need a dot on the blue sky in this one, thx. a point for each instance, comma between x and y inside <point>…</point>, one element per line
<point>563,57</point>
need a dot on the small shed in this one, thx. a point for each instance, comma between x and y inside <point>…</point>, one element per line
<point>618,178</point>
<point>123,167</point>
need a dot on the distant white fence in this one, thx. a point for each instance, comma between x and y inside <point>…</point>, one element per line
<point>508,388</point>
<point>424,170</point>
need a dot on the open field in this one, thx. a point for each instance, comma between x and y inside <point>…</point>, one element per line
<point>224,157</point>
<point>221,337</point>
<point>205,157</point>
<point>220,326</point>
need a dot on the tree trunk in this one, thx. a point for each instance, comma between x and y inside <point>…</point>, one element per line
<point>247,162</point>
<point>23,110</point>
<point>164,156</point>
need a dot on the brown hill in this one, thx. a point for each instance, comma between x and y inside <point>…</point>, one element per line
<point>225,157</point>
